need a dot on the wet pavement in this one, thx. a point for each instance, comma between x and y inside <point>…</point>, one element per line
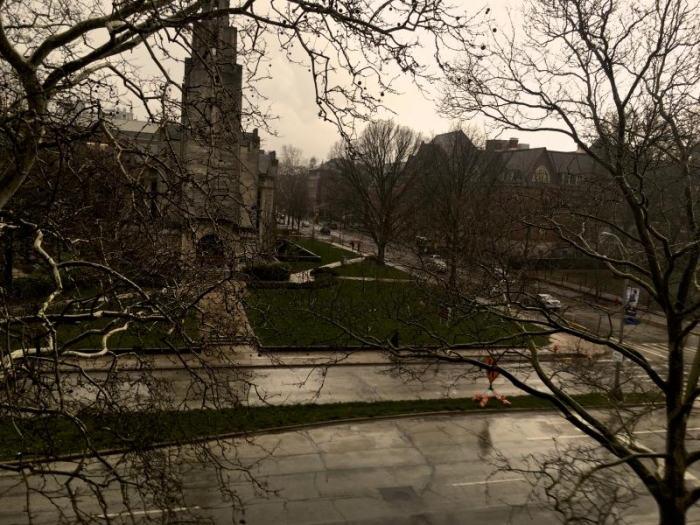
<point>418,470</point>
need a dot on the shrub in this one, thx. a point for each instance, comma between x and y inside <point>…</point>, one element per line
<point>32,287</point>
<point>324,273</point>
<point>286,285</point>
<point>77,278</point>
<point>269,272</point>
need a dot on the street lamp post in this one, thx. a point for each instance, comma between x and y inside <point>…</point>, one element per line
<point>618,363</point>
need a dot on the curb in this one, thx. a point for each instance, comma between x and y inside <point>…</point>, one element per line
<point>294,428</point>
<point>273,430</point>
<point>544,358</point>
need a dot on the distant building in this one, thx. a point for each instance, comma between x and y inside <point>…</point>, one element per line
<point>526,184</point>
<point>325,190</point>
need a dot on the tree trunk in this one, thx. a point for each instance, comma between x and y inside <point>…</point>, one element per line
<point>9,261</point>
<point>671,511</point>
<point>671,507</point>
<point>453,273</point>
<point>381,250</point>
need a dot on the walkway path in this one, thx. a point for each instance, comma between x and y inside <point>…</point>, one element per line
<point>306,276</point>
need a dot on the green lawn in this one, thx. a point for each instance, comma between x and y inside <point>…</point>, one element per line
<point>328,253</point>
<point>147,335</point>
<point>369,269</point>
<point>366,313</point>
<point>53,435</point>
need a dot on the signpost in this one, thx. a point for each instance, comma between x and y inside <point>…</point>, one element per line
<point>629,317</point>
<point>631,300</point>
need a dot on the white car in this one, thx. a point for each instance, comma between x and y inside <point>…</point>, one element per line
<point>549,302</point>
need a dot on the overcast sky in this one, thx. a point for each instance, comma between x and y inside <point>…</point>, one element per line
<point>291,96</point>
<point>292,99</point>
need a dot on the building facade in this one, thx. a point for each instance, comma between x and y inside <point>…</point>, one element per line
<point>208,176</point>
<point>517,195</point>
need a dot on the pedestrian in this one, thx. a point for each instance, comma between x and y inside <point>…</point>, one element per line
<point>352,245</point>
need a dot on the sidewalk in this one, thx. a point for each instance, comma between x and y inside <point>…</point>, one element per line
<point>562,346</point>
<point>225,303</point>
<point>305,276</point>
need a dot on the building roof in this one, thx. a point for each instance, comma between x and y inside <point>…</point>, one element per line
<point>520,160</point>
<point>251,137</point>
<point>572,162</point>
<point>329,165</point>
<point>145,130</point>
<point>452,140</point>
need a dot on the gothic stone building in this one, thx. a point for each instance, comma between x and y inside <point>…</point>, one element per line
<point>208,175</point>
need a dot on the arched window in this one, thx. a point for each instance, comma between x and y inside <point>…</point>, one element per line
<point>541,175</point>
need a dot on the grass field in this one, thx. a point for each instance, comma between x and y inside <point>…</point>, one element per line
<point>78,337</point>
<point>369,269</point>
<point>328,253</point>
<point>601,280</point>
<point>366,313</point>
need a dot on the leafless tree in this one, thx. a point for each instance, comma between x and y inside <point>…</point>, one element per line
<point>621,80</point>
<point>378,180</point>
<point>457,205</point>
<point>132,237</point>
<point>292,185</point>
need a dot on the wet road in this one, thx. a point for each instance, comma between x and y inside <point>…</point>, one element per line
<point>422,470</point>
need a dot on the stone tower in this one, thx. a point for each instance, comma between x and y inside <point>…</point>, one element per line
<point>211,118</point>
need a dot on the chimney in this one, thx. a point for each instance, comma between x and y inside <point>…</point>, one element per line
<point>513,143</point>
<point>496,145</point>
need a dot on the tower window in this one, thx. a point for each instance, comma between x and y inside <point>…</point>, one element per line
<point>153,198</point>
<point>541,175</point>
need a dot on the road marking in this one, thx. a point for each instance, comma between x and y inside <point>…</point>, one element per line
<point>581,436</point>
<point>469,483</point>
<point>694,429</point>
<point>644,348</point>
<point>659,349</point>
<point>142,512</point>
<point>563,436</point>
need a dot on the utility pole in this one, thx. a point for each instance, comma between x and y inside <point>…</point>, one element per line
<point>617,391</point>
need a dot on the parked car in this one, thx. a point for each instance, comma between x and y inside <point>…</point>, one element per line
<point>549,302</point>
<point>421,244</point>
<point>326,230</point>
<point>305,224</point>
<point>435,263</point>
<point>333,226</point>
<point>498,272</point>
